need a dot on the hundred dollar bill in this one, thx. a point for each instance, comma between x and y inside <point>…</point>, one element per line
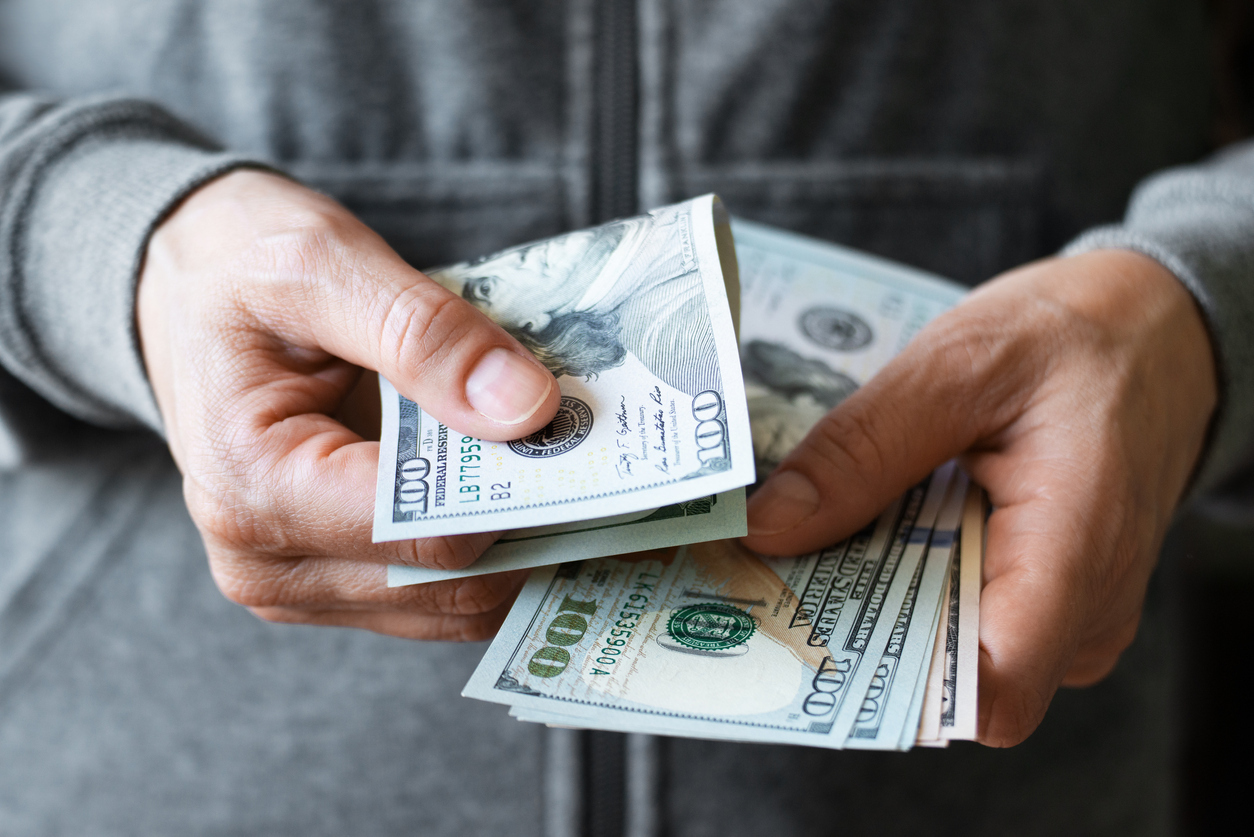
<point>797,366</point>
<point>910,735</point>
<point>703,519</point>
<point>794,375</point>
<point>819,321</point>
<point>636,320</point>
<point>960,695</point>
<point>950,710</point>
<point>859,650</point>
<point>946,550</point>
<point>712,642</point>
<point>942,551</point>
<point>928,734</point>
<point>888,703</point>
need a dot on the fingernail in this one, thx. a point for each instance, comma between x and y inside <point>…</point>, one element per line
<point>787,499</point>
<point>507,388</point>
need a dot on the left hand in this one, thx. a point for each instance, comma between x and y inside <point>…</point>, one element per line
<point>1078,392</point>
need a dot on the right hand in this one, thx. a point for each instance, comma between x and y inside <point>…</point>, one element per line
<point>259,305</point>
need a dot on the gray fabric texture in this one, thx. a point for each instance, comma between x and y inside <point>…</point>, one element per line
<point>135,700</point>
<point>992,132</point>
<point>962,136</point>
<point>84,185</point>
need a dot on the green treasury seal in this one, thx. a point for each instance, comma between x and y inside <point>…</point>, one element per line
<point>710,627</point>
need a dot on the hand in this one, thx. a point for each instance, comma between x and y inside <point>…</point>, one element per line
<point>260,303</point>
<point>1078,392</point>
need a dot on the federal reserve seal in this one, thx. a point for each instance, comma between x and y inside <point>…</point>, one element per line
<point>836,328</point>
<point>569,427</point>
<point>710,627</point>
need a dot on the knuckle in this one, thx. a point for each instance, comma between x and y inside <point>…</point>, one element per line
<point>1126,634</point>
<point>244,590</point>
<point>279,615</point>
<point>252,594</point>
<point>477,629</point>
<point>217,513</point>
<point>1092,669</point>
<point>234,582</point>
<point>423,326</point>
<point>306,245</point>
<point>848,440</point>
<point>1098,659</point>
<point>235,490</point>
<point>441,628</point>
<point>479,595</point>
<point>1015,714</point>
<point>976,364</point>
<point>968,354</point>
<point>985,361</point>
<point>445,553</point>
<point>251,583</point>
<point>309,253</point>
<point>230,515</point>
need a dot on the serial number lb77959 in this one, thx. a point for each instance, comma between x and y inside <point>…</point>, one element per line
<point>711,433</point>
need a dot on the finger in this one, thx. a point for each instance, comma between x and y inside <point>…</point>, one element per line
<point>338,287</point>
<point>955,383</point>
<point>1027,628</point>
<point>1055,608</point>
<point>419,626</point>
<point>305,486</point>
<point>1098,657</point>
<point>335,584</point>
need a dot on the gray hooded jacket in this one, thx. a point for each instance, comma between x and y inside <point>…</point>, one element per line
<point>963,136</point>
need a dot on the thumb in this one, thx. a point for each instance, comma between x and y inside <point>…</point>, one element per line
<point>372,309</point>
<point>929,404</point>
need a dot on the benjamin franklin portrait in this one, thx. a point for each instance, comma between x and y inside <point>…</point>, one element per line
<point>582,301</point>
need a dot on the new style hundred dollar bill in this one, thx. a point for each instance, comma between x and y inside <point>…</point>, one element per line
<point>820,320</point>
<point>832,649</point>
<point>636,319</point>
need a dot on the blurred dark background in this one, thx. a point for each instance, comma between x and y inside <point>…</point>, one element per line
<point>1234,68</point>
<point>1210,552</point>
<point>1216,573</point>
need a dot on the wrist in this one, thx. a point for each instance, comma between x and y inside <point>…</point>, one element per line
<point>1135,298</point>
<point>1150,318</point>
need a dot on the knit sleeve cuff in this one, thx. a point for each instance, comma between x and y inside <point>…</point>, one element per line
<point>80,205</point>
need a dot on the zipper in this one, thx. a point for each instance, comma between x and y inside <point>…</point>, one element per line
<point>616,103</point>
<point>604,783</point>
<point>614,193</point>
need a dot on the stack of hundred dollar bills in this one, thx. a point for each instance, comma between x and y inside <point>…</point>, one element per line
<point>693,353</point>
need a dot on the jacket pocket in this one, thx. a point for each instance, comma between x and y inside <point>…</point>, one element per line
<point>435,214</point>
<point>964,218</point>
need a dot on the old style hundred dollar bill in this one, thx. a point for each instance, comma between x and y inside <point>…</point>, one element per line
<point>636,319</point>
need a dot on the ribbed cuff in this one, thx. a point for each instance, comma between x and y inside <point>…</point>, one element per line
<point>75,225</point>
<point>1201,229</point>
